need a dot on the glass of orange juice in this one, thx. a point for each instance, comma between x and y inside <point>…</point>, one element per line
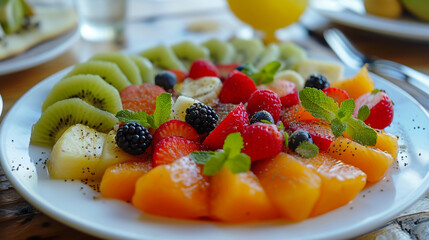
<point>268,15</point>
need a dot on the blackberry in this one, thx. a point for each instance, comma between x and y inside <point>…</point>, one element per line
<point>317,81</point>
<point>298,137</point>
<point>166,79</point>
<point>202,117</point>
<point>133,138</point>
<point>261,115</point>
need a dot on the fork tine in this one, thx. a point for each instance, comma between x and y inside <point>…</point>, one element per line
<point>343,48</point>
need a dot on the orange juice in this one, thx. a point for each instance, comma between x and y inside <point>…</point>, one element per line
<point>268,15</point>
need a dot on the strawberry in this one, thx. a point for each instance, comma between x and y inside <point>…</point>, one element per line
<point>320,132</point>
<point>202,68</point>
<point>337,94</point>
<point>180,75</point>
<point>267,100</point>
<point>225,69</point>
<point>262,141</point>
<point>141,97</point>
<point>235,121</point>
<point>236,88</point>
<point>175,128</point>
<point>172,148</point>
<point>380,106</point>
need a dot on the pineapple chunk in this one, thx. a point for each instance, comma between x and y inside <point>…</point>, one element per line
<point>76,154</point>
<point>113,154</point>
<point>332,71</point>
<point>178,110</point>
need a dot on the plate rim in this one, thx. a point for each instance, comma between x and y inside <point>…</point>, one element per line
<point>78,224</point>
<point>394,32</point>
<point>69,38</point>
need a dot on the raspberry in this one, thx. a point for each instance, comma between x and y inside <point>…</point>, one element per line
<point>267,100</point>
<point>202,117</point>
<point>133,138</point>
<point>317,81</point>
<point>202,68</point>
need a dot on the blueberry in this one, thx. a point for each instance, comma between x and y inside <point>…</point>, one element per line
<point>261,115</point>
<point>298,137</point>
<point>317,81</point>
<point>240,67</point>
<point>166,79</point>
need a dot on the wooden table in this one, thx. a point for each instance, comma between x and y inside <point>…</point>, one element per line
<point>19,220</point>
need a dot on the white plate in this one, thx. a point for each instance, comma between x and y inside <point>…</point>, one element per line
<point>401,27</point>
<point>40,53</point>
<point>76,205</point>
<point>1,105</point>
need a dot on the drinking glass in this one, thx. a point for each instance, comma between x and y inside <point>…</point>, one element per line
<point>268,15</point>
<point>101,20</point>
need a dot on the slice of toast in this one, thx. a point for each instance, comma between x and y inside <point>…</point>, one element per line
<point>53,22</point>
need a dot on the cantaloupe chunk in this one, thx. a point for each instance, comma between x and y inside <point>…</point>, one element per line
<point>388,143</point>
<point>357,85</point>
<point>372,161</point>
<point>120,179</point>
<point>177,190</point>
<point>340,182</point>
<point>239,198</point>
<point>290,185</point>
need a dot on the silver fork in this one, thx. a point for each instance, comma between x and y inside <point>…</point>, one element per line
<point>413,81</point>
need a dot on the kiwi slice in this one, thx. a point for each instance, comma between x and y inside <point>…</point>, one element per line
<point>188,52</point>
<point>65,113</point>
<point>291,54</point>
<point>124,62</point>
<point>220,52</point>
<point>146,68</point>
<point>108,71</point>
<point>163,57</point>
<point>90,88</point>
<point>11,15</point>
<point>248,50</point>
<point>271,53</point>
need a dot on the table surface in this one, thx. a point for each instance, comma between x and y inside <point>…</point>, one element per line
<point>19,220</point>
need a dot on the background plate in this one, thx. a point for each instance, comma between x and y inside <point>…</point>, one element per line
<point>411,29</point>
<point>78,206</point>
<point>40,53</point>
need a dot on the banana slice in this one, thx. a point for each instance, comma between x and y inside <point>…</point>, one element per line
<point>292,76</point>
<point>205,89</point>
<point>178,110</point>
<point>332,71</point>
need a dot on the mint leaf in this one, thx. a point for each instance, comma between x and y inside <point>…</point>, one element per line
<point>233,144</point>
<point>266,121</point>
<point>318,104</point>
<point>127,116</point>
<point>238,163</point>
<point>266,75</point>
<point>214,164</point>
<point>286,137</point>
<point>338,127</point>
<point>346,109</point>
<point>363,112</point>
<point>360,132</point>
<point>249,69</point>
<point>162,110</point>
<point>280,125</point>
<point>307,150</point>
<point>201,157</point>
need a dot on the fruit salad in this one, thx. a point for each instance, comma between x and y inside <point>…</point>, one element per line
<point>230,131</point>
